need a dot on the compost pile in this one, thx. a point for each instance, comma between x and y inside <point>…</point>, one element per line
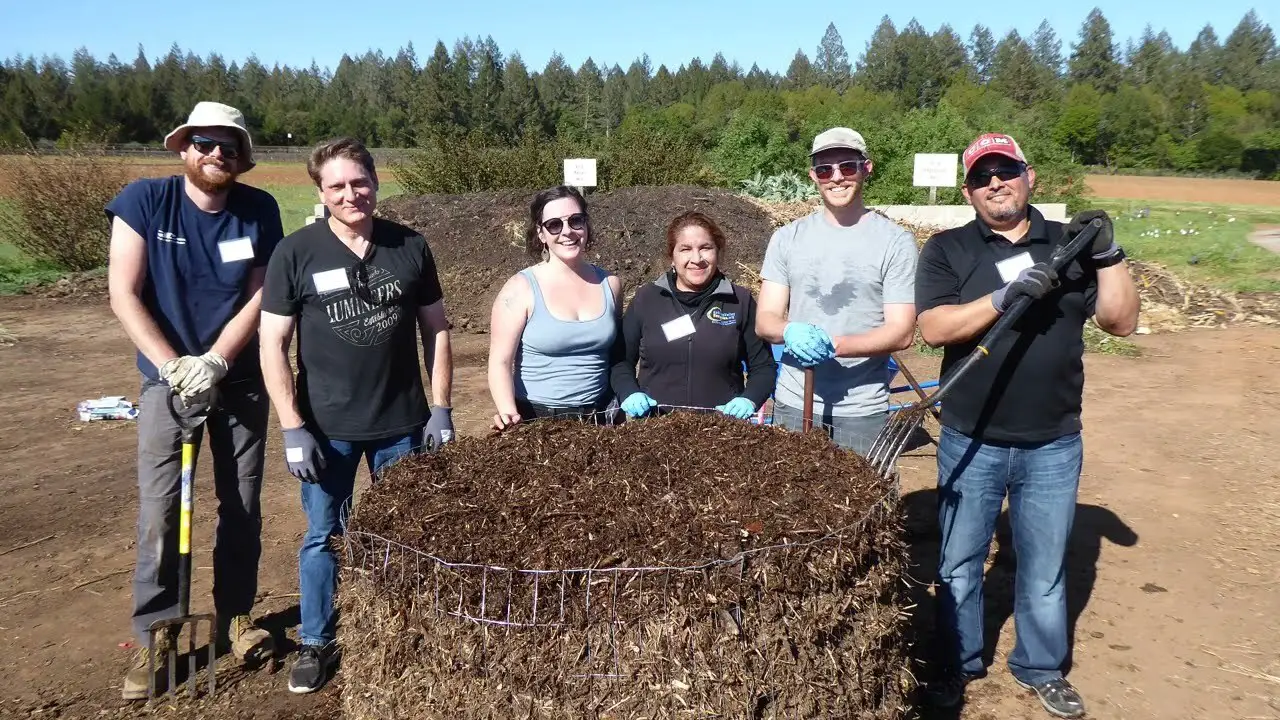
<point>477,239</point>
<point>689,565</point>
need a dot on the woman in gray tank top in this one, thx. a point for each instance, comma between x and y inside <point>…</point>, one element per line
<point>554,325</point>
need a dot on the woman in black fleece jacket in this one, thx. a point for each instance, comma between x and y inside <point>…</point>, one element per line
<point>688,333</point>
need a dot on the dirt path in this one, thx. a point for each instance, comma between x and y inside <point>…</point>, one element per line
<point>1176,553</point>
<point>1266,236</point>
<point>1185,189</point>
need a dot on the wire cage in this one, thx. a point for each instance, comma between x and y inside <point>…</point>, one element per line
<point>804,629</point>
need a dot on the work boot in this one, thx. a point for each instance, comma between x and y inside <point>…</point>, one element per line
<point>136,680</point>
<point>249,643</point>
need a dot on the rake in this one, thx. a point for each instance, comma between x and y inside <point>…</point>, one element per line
<point>190,420</point>
<point>890,442</point>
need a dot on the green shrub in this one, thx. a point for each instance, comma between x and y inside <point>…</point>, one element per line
<point>55,206</point>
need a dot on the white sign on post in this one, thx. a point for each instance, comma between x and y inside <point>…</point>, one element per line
<point>580,172</point>
<point>935,170</point>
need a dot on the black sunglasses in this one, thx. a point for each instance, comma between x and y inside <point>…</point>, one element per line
<point>554,226</point>
<point>848,168</point>
<point>230,149</point>
<point>1006,173</point>
<point>358,277</point>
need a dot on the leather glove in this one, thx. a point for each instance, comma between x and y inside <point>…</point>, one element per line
<point>197,374</point>
<point>303,454</point>
<point>1034,282</point>
<point>637,404</point>
<point>1104,243</point>
<point>439,429</point>
<point>738,407</point>
<point>809,344</point>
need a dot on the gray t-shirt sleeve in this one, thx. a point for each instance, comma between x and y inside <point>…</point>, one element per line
<point>775,267</point>
<point>900,270</point>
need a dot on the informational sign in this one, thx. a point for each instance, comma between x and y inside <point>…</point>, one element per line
<point>935,170</point>
<point>580,172</point>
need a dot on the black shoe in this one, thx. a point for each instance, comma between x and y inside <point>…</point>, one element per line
<point>1058,697</point>
<point>948,692</point>
<point>311,669</point>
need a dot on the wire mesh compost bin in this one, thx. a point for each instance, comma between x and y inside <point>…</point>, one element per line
<point>686,566</point>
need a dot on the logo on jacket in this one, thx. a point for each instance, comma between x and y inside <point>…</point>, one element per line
<point>720,317</point>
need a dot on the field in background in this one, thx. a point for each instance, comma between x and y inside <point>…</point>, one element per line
<point>1229,191</point>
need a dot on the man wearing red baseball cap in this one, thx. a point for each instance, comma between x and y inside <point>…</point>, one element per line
<point>1012,427</point>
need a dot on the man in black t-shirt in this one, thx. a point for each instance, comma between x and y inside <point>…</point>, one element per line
<point>356,288</point>
<point>1012,425</point>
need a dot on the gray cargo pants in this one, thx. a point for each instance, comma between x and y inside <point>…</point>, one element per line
<point>237,440</point>
<point>851,433</point>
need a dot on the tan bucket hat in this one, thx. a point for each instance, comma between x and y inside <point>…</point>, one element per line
<point>213,114</point>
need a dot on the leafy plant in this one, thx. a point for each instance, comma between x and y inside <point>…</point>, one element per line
<point>783,187</point>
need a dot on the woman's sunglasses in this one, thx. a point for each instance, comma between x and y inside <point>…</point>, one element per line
<point>554,226</point>
<point>848,168</point>
<point>230,150</point>
<point>1006,173</point>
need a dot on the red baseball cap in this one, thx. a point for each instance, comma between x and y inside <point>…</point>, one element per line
<point>989,144</point>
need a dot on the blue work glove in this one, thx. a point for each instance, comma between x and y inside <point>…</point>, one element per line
<point>738,407</point>
<point>439,429</point>
<point>809,344</point>
<point>637,404</point>
<point>303,454</point>
<point>1034,282</point>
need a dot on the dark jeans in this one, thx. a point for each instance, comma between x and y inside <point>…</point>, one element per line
<point>1041,480</point>
<point>324,504</point>
<point>603,412</point>
<point>236,430</point>
<point>851,433</point>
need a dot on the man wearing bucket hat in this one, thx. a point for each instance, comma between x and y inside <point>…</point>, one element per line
<point>838,294</point>
<point>1012,427</point>
<point>187,260</point>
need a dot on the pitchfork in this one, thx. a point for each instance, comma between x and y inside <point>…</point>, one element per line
<point>190,419</point>
<point>888,445</point>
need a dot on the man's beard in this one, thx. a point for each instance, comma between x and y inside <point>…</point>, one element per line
<point>1004,213</point>
<point>196,176</point>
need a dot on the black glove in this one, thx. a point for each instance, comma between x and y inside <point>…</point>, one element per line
<point>1104,243</point>
<point>1034,282</point>
<point>303,454</point>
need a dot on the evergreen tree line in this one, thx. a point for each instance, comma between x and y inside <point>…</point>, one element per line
<point>1213,106</point>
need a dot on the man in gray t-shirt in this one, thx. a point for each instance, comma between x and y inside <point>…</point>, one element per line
<point>839,294</point>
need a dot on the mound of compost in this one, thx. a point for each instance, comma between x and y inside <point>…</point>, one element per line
<point>477,239</point>
<point>683,566</point>
<point>680,488</point>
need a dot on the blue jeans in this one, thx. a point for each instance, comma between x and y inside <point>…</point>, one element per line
<point>323,502</point>
<point>1041,480</point>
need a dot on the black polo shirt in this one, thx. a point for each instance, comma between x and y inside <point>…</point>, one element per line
<point>1030,387</point>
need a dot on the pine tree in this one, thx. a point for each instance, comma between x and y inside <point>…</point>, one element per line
<point>879,68</point>
<point>1093,58</point>
<point>982,51</point>
<point>831,62</point>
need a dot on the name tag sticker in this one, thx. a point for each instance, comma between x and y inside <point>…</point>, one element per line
<point>1010,267</point>
<point>330,280</point>
<point>236,250</point>
<point>678,328</point>
<point>293,455</point>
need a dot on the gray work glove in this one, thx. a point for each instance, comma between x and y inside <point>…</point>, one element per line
<point>439,429</point>
<point>195,375</point>
<point>1034,282</point>
<point>303,454</point>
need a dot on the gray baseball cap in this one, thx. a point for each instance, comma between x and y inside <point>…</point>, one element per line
<point>838,137</point>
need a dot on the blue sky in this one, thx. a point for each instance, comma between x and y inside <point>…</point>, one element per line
<point>671,32</point>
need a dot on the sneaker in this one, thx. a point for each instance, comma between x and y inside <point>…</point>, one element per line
<point>249,643</point>
<point>311,669</point>
<point>137,681</point>
<point>949,691</point>
<point>1058,697</point>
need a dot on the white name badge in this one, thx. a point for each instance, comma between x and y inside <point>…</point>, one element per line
<point>1010,267</point>
<point>330,280</point>
<point>293,455</point>
<point>236,250</point>
<point>678,328</point>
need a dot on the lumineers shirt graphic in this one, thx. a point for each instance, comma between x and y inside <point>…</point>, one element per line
<point>359,322</point>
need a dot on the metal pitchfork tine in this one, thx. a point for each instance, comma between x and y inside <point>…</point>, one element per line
<point>190,420</point>
<point>888,445</point>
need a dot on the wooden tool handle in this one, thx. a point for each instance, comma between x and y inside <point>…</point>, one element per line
<point>807,418</point>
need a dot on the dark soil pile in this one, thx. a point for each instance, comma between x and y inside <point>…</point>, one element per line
<point>477,239</point>
<point>683,566</point>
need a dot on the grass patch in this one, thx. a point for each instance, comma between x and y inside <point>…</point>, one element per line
<point>1202,243</point>
<point>1098,341</point>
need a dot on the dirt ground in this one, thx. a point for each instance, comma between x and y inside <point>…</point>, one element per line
<point>1186,189</point>
<point>1175,557</point>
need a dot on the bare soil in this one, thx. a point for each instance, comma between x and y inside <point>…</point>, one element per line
<point>1174,565</point>
<point>1228,191</point>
